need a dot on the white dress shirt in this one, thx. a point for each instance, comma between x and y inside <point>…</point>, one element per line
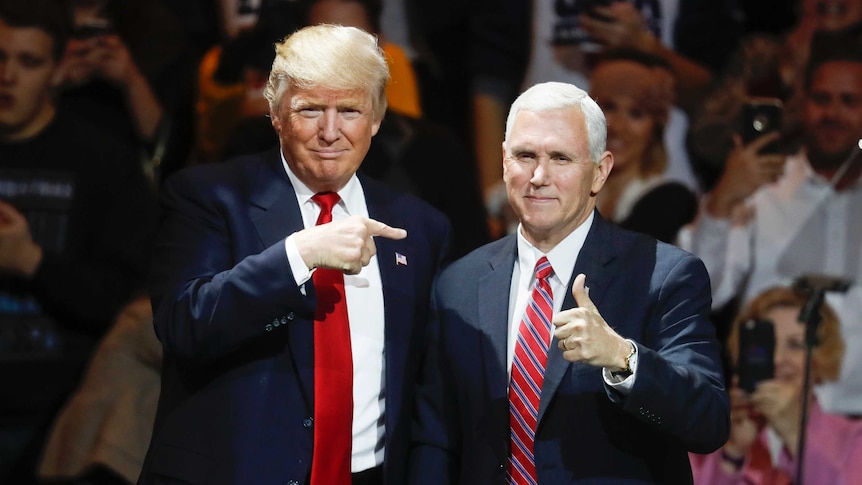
<point>801,226</point>
<point>562,258</point>
<point>364,294</point>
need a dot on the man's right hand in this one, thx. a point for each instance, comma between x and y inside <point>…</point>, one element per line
<point>346,245</point>
<point>744,172</point>
<point>18,253</point>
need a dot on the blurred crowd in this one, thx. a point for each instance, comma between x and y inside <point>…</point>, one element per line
<point>735,125</point>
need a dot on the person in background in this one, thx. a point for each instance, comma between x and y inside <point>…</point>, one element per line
<point>765,424</point>
<point>636,91</point>
<point>773,218</point>
<point>128,69</point>
<point>77,218</point>
<point>626,381</point>
<point>565,39</point>
<point>290,293</point>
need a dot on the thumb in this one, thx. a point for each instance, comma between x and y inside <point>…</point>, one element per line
<point>579,291</point>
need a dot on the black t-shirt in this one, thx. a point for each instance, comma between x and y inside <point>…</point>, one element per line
<point>89,206</point>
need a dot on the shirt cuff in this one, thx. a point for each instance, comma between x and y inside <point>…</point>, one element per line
<point>623,384</point>
<point>301,271</point>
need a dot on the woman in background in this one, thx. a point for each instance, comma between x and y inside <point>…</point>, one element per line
<point>765,424</point>
<point>635,91</point>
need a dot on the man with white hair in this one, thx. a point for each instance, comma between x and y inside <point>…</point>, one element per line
<point>531,377</point>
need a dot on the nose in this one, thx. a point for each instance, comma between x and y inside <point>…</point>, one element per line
<point>329,128</point>
<point>540,172</point>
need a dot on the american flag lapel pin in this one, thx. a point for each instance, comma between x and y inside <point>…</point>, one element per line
<point>400,259</point>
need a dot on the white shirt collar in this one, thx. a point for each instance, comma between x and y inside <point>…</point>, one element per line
<point>352,196</point>
<point>562,257</point>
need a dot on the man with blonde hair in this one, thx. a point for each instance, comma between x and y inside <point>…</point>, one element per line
<point>289,313</point>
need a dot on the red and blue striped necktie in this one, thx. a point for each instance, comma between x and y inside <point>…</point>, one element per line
<point>528,374</point>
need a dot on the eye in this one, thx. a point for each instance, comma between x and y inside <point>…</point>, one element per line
<point>350,113</point>
<point>561,159</point>
<point>637,113</point>
<point>796,344</point>
<point>820,99</point>
<point>525,157</point>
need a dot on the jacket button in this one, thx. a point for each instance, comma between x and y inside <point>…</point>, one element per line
<point>283,320</point>
<point>268,327</point>
<point>293,482</point>
<point>307,422</point>
<point>290,316</point>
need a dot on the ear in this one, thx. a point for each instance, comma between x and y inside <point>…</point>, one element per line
<point>601,173</point>
<point>275,120</point>
<point>375,126</point>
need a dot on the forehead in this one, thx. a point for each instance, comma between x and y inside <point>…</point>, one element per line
<point>24,41</point>
<point>838,76</point>
<point>785,319</point>
<point>324,96</point>
<point>618,72</point>
<point>552,129</point>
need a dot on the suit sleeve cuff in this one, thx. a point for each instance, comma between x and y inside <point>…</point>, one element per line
<point>623,385</point>
<point>301,271</point>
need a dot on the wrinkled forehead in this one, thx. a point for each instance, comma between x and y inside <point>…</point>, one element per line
<point>325,96</point>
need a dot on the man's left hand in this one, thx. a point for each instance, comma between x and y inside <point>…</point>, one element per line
<point>584,336</point>
<point>18,253</point>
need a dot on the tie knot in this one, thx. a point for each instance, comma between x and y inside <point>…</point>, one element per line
<point>326,201</point>
<point>543,268</point>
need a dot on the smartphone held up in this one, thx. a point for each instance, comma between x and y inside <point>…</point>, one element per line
<point>756,362</point>
<point>761,116</point>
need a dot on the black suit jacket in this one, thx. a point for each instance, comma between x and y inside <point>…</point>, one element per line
<point>237,382</point>
<point>653,293</point>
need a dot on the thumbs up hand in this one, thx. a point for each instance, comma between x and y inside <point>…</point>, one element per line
<point>584,336</point>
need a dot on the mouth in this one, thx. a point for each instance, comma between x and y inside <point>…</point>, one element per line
<point>328,154</point>
<point>535,199</point>
<point>6,101</point>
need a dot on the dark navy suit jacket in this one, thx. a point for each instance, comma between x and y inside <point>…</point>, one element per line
<point>237,381</point>
<point>651,292</point>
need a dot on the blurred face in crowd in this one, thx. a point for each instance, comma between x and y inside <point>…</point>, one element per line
<point>832,14</point>
<point>325,133</point>
<point>550,179</point>
<point>340,12</point>
<point>28,73</point>
<point>618,88</point>
<point>833,113</point>
<point>789,344</point>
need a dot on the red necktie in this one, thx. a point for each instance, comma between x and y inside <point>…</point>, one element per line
<point>333,370</point>
<point>528,373</point>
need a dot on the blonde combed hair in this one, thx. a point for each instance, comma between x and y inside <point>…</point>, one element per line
<point>331,56</point>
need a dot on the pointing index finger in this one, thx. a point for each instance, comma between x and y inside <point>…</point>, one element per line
<point>378,228</point>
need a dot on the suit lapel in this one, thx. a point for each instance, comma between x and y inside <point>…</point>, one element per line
<point>494,315</point>
<point>398,297</point>
<point>274,211</point>
<point>594,261</point>
<point>275,215</point>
